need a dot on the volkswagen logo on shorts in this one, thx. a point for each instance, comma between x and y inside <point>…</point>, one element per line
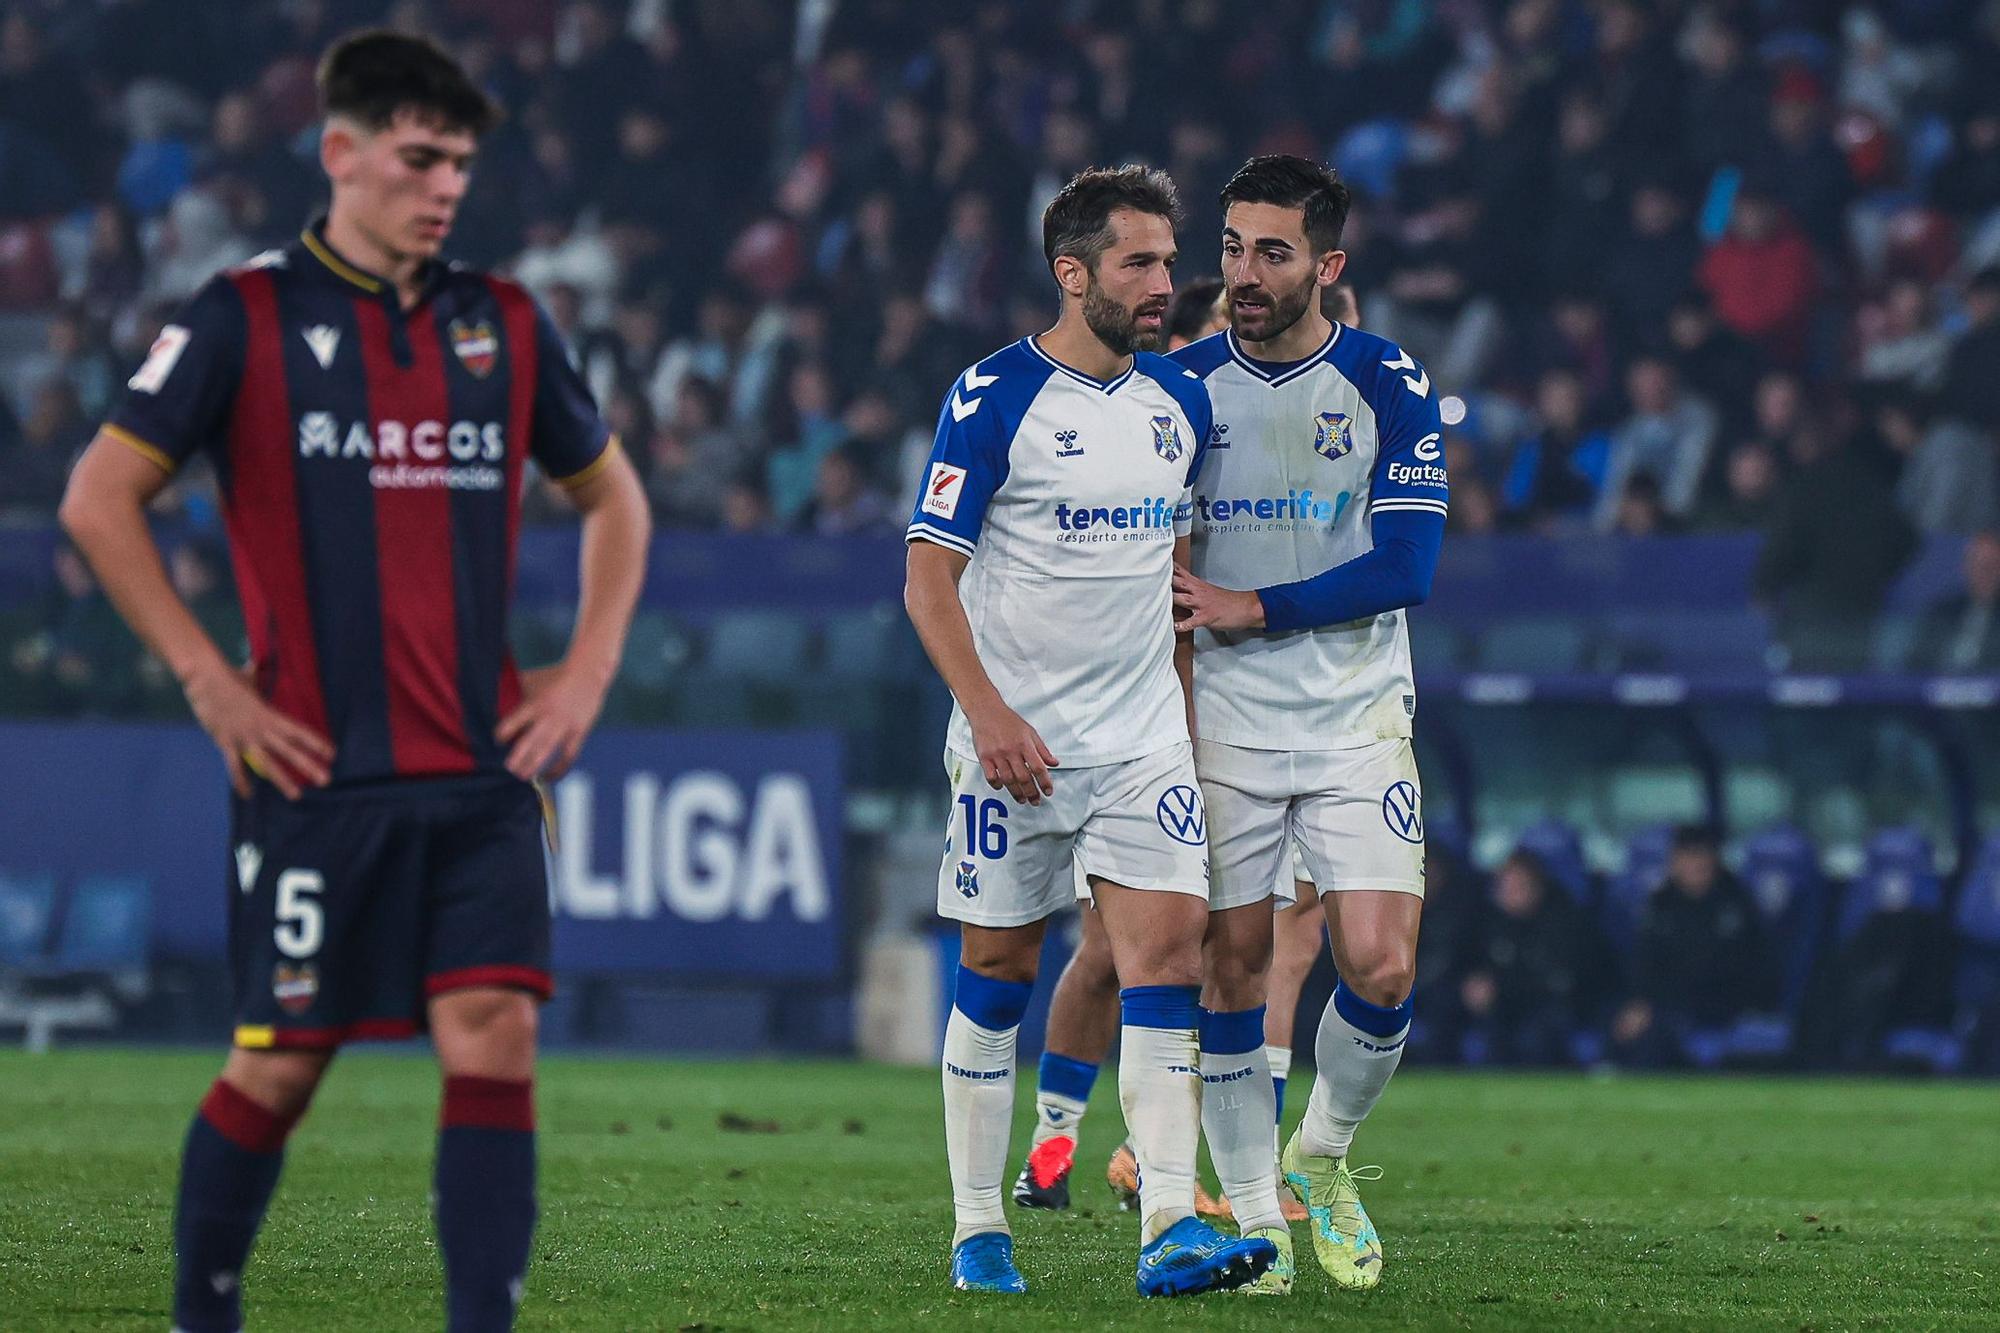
<point>1182,817</point>
<point>1402,811</point>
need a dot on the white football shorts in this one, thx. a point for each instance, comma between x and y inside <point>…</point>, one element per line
<point>1139,824</point>
<point>1355,816</point>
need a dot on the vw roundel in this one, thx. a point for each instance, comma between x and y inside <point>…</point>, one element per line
<point>1182,816</point>
<point>1402,811</point>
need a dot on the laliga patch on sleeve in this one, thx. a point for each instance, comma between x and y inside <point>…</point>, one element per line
<point>942,490</point>
<point>160,362</point>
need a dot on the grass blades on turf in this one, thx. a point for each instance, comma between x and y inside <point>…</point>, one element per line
<point>767,1195</point>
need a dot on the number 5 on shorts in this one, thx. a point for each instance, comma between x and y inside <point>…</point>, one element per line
<point>301,924</point>
<point>991,819</point>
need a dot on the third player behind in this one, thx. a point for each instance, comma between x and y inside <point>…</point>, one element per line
<point>1316,525</point>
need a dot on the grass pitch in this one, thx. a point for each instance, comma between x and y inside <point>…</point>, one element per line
<point>764,1195</point>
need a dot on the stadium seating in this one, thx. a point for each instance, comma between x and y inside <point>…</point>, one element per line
<point>1626,891</point>
<point>27,911</point>
<point>1559,849</point>
<point>72,963</point>
<point>107,926</point>
<point>1900,875</point>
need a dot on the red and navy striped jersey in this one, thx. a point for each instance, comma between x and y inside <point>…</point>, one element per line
<point>370,461</point>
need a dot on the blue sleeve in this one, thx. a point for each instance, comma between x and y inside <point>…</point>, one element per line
<point>1397,573</point>
<point>1407,506</point>
<point>967,464</point>
<point>568,439</point>
<point>179,398</point>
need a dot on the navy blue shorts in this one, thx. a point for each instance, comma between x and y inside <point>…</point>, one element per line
<point>351,907</point>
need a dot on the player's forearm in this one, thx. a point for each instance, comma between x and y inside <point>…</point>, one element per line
<point>110,529</point>
<point>1396,574</point>
<point>617,530</point>
<point>930,595</point>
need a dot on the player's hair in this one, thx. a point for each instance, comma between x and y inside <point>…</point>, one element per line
<point>1077,221</point>
<point>1295,182</point>
<point>372,77</point>
<point>1193,307</point>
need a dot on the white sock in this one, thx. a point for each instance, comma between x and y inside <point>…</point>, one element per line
<point>1062,1094</point>
<point>978,1069</point>
<point>1056,1116</point>
<point>1159,1087</point>
<point>1237,1102</point>
<point>1359,1047</point>
<point>1281,1070</point>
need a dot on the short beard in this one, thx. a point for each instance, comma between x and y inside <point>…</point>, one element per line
<point>1115,326</point>
<point>1286,310</point>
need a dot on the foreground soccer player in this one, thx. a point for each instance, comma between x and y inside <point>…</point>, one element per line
<point>1081,1024</point>
<point>1303,686</point>
<point>1041,557</point>
<point>369,410</point>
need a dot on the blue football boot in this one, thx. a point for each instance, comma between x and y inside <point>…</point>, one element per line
<point>1191,1256</point>
<point>985,1262</point>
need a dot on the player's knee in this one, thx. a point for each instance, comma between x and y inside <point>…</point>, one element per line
<point>279,1081</point>
<point>1163,963</point>
<point>1001,959</point>
<point>491,1033</point>
<point>1384,977</point>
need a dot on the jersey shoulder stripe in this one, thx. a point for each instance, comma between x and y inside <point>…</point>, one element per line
<point>1203,355</point>
<point>1182,385</point>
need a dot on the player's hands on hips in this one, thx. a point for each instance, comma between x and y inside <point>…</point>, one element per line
<point>559,706</point>
<point>252,735</point>
<point>1199,604</point>
<point>1012,754</point>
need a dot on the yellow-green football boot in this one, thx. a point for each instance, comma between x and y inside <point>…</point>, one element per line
<point>1277,1279</point>
<point>1343,1237</point>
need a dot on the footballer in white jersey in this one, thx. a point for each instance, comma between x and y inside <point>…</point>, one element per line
<point>1041,558</point>
<point>1317,526</point>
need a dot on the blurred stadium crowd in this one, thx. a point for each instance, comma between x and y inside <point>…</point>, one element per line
<point>1723,266</point>
<point>1687,958</point>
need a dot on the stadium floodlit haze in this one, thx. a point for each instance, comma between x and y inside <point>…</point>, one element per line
<point>1702,298</point>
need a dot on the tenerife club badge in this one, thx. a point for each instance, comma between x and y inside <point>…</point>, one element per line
<point>1333,435</point>
<point>476,345</point>
<point>1166,438</point>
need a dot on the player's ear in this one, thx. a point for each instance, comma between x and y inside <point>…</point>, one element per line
<point>339,141</point>
<point>1072,275</point>
<point>1331,265</point>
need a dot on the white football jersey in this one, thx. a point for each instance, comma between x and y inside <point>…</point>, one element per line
<point>1064,491</point>
<point>1300,457</point>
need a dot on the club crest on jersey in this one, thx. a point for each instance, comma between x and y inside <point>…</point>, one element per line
<point>476,345</point>
<point>1333,435</point>
<point>1166,438</point>
<point>295,988</point>
<point>968,879</point>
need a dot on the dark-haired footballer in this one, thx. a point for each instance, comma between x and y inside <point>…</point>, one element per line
<point>1041,558</point>
<point>370,411</point>
<point>1315,530</point>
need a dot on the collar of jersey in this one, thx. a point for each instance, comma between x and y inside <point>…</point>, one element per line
<point>1102,386</point>
<point>314,239</point>
<point>1282,372</point>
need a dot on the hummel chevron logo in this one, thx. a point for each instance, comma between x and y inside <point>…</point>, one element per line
<point>961,409</point>
<point>323,339</point>
<point>975,381</point>
<point>1419,383</point>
